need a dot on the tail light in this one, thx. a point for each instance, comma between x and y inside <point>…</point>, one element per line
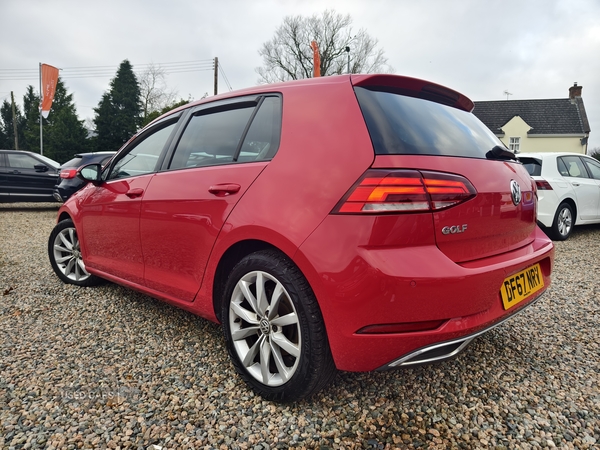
<point>68,173</point>
<point>403,191</point>
<point>543,185</point>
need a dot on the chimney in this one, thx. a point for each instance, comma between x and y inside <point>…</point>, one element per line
<point>575,91</point>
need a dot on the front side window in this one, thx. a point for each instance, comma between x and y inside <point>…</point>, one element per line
<point>515,144</point>
<point>142,158</point>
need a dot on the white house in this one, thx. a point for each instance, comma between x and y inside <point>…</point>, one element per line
<point>545,125</point>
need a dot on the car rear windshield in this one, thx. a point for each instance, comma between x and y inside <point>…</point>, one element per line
<point>403,125</point>
<point>75,162</point>
<point>533,166</point>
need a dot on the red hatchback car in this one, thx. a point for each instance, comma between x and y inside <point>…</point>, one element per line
<point>362,222</point>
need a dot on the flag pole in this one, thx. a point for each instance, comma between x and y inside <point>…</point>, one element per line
<point>41,138</point>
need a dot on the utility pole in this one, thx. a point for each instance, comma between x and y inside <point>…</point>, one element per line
<point>216,75</point>
<point>348,51</point>
<point>14,117</point>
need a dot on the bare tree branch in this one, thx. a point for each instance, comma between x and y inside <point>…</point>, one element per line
<point>288,56</point>
<point>154,93</point>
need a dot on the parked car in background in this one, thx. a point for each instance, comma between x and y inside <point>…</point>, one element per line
<point>68,182</point>
<point>26,177</point>
<point>568,186</point>
<point>352,222</point>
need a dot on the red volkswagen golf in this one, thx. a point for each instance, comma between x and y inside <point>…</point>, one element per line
<point>359,223</point>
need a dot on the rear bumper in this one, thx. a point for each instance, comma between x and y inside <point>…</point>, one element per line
<point>446,350</point>
<point>360,286</point>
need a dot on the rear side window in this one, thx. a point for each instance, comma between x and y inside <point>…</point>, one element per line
<point>532,165</point>
<point>574,167</point>
<point>244,132</point>
<point>401,125</point>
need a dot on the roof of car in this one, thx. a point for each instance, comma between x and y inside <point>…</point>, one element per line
<point>427,89</point>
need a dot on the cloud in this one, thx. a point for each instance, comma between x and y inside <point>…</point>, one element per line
<point>533,49</point>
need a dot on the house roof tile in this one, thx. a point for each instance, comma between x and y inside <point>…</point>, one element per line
<point>546,116</point>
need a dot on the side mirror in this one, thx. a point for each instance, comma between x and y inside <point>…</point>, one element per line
<point>91,172</point>
<point>41,168</point>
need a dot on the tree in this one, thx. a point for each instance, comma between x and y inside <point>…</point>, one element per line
<point>119,113</point>
<point>8,129</point>
<point>156,114</point>
<point>31,108</point>
<point>288,55</point>
<point>154,93</point>
<point>595,153</point>
<point>63,133</point>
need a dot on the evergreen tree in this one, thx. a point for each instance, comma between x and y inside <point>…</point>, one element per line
<point>3,136</point>
<point>31,109</point>
<point>119,113</point>
<point>64,134</point>
<point>8,130</point>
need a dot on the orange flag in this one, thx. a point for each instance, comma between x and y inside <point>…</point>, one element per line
<point>316,59</point>
<point>49,80</point>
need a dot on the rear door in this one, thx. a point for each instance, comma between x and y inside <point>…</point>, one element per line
<point>222,150</point>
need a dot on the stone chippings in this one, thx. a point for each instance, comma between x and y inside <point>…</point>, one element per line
<point>107,367</point>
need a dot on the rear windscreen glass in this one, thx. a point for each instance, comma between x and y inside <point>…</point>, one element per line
<point>401,125</point>
<point>533,166</point>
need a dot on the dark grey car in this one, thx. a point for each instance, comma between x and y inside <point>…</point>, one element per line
<point>26,177</point>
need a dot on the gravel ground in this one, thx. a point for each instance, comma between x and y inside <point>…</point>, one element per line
<point>110,368</point>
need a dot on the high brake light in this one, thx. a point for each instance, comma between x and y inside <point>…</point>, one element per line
<point>68,173</point>
<point>403,191</point>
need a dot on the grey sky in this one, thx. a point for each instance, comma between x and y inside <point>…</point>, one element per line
<point>532,48</point>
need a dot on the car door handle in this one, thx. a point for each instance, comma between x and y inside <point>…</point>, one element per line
<point>575,184</point>
<point>222,190</point>
<point>135,192</point>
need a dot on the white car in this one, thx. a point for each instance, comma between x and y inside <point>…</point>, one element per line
<point>568,186</point>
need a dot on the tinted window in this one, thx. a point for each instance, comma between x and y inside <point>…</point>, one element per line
<point>21,161</point>
<point>533,166</point>
<point>402,125</point>
<point>575,167</point>
<point>262,139</point>
<point>75,162</point>
<point>143,157</point>
<point>211,138</point>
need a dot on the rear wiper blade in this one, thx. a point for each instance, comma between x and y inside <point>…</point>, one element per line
<point>501,154</point>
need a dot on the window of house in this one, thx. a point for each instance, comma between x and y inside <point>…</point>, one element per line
<point>515,144</point>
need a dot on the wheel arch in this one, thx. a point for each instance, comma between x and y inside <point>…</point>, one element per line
<point>234,254</point>
<point>569,201</point>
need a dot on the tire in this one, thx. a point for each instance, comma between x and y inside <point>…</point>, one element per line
<point>278,343</point>
<point>65,256</point>
<point>563,222</point>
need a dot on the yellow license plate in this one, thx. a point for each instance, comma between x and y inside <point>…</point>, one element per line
<point>519,286</point>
